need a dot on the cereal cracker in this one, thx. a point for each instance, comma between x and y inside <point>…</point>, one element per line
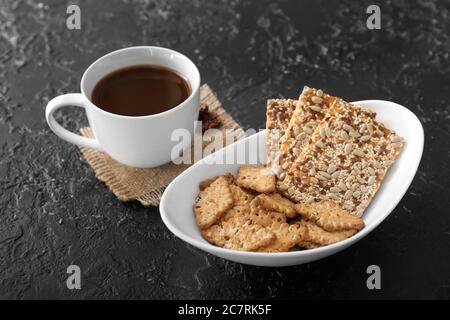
<point>329,216</point>
<point>213,202</point>
<point>308,244</point>
<point>241,203</point>
<point>256,178</point>
<point>313,234</point>
<point>239,234</point>
<point>263,216</point>
<point>276,202</point>
<point>287,237</point>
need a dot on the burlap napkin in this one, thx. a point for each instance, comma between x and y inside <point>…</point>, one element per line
<point>147,185</point>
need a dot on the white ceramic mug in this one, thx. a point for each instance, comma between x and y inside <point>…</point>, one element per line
<point>143,141</point>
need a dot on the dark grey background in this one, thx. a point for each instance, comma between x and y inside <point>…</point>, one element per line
<point>54,212</point>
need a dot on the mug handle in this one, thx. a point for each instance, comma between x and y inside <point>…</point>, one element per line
<point>65,100</point>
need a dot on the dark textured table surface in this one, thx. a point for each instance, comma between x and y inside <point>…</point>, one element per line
<point>54,212</point>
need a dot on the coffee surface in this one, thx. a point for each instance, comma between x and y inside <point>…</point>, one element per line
<point>140,90</point>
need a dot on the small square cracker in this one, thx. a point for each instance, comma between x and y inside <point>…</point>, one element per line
<point>239,234</point>
<point>256,178</point>
<point>264,216</point>
<point>213,202</point>
<point>287,237</point>
<point>276,202</point>
<point>313,234</point>
<point>329,216</point>
<point>241,203</point>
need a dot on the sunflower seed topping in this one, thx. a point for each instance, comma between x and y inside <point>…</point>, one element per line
<point>377,165</point>
<point>395,145</point>
<point>360,180</point>
<point>397,139</point>
<point>316,99</point>
<point>335,189</point>
<point>332,196</point>
<point>356,194</point>
<point>320,144</point>
<point>342,186</point>
<point>335,175</point>
<point>315,108</point>
<point>348,195</point>
<point>349,207</point>
<point>331,168</point>
<point>325,174</point>
<point>348,148</point>
<point>308,130</point>
<point>344,135</point>
<point>363,128</point>
<point>347,128</point>
<point>359,152</point>
<point>314,180</point>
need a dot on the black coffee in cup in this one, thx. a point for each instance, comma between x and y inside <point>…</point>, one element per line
<point>140,90</point>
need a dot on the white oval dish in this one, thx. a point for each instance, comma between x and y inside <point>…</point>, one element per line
<point>177,201</point>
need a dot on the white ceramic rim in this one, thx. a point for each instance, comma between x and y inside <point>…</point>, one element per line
<point>195,87</point>
<point>344,243</point>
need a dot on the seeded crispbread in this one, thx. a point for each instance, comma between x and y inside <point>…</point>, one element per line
<point>278,115</point>
<point>312,234</point>
<point>239,234</point>
<point>329,216</point>
<point>276,202</point>
<point>345,161</point>
<point>256,178</point>
<point>287,237</point>
<point>213,202</point>
<point>312,106</point>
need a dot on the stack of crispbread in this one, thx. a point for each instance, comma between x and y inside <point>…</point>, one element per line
<point>332,150</point>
